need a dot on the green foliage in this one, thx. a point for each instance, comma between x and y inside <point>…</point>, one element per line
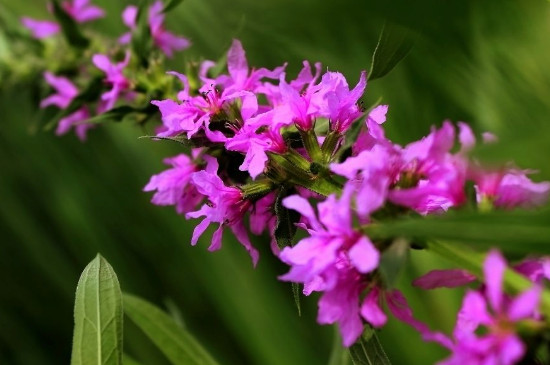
<point>519,232</point>
<point>98,316</point>
<point>394,44</point>
<point>174,341</point>
<point>171,5</point>
<point>368,350</point>
<point>142,41</point>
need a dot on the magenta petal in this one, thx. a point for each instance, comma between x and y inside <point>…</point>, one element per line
<point>525,304</point>
<point>303,207</point>
<point>493,271</point>
<point>444,279</point>
<point>472,313</point>
<point>364,256</point>
<point>236,62</point>
<point>511,350</point>
<point>199,230</point>
<point>466,136</point>
<point>216,243</point>
<point>378,114</point>
<point>371,311</point>
<point>40,28</point>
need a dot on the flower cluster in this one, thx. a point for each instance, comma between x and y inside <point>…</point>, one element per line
<point>291,135</point>
<point>112,76</point>
<point>271,152</point>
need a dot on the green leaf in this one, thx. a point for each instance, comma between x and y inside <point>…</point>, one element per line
<point>171,5</point>
<point>513,232</point>
<point>394,44</point>
<point>128,360</point>
<point>175,343</point>
<point>392,261</point>
<point>368,350</point>
<point>69,27</point>
<point>97,335</point>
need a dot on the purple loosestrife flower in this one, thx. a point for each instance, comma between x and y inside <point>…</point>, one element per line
<point>163,39</point>
<point>226,206</point>
<point>510,188</point>
<point>240,78</point>
<point>66,91</point>
<point>41,29</point>
<point>80,10</point>
<point>340,105</point>
<point>195,113</point>
<point>332,259</point>
<point>115,78</point>
<point>173,186</point>
<point>500,344</point>
<point>431,179</point>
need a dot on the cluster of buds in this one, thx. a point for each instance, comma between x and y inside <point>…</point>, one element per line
<point>264,152</point>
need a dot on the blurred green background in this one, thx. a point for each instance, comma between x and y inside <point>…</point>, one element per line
<point>61,201</point>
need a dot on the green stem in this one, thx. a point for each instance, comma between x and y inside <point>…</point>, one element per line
<point>329,145</point>
<point>309,138</point>
<point>472,261</point>
<point>295,170</point>
<point>257,189</point>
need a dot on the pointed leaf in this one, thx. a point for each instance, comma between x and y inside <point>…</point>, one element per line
<point>368,350</point>
<point>69,27</point>
<point>98,316</point>
<point>171,5</point>
<point>394,44</point>
<point>178,345</point>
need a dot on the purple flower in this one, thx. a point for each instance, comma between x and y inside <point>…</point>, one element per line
<point>82,11</point>
<point>41,29</point>
<point>431,179</point>
<point>510,188</point>
<point>498,314</point>
<point>332,260</point>
<point>340,104</point>
<point>163,39</point>
<point>195,113</point>
<point>173,186</point>
<point>114,77</point>
<point>226,207</point>
<point>79,10</point>
<point>240,78</point>
<point>66,91</point>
